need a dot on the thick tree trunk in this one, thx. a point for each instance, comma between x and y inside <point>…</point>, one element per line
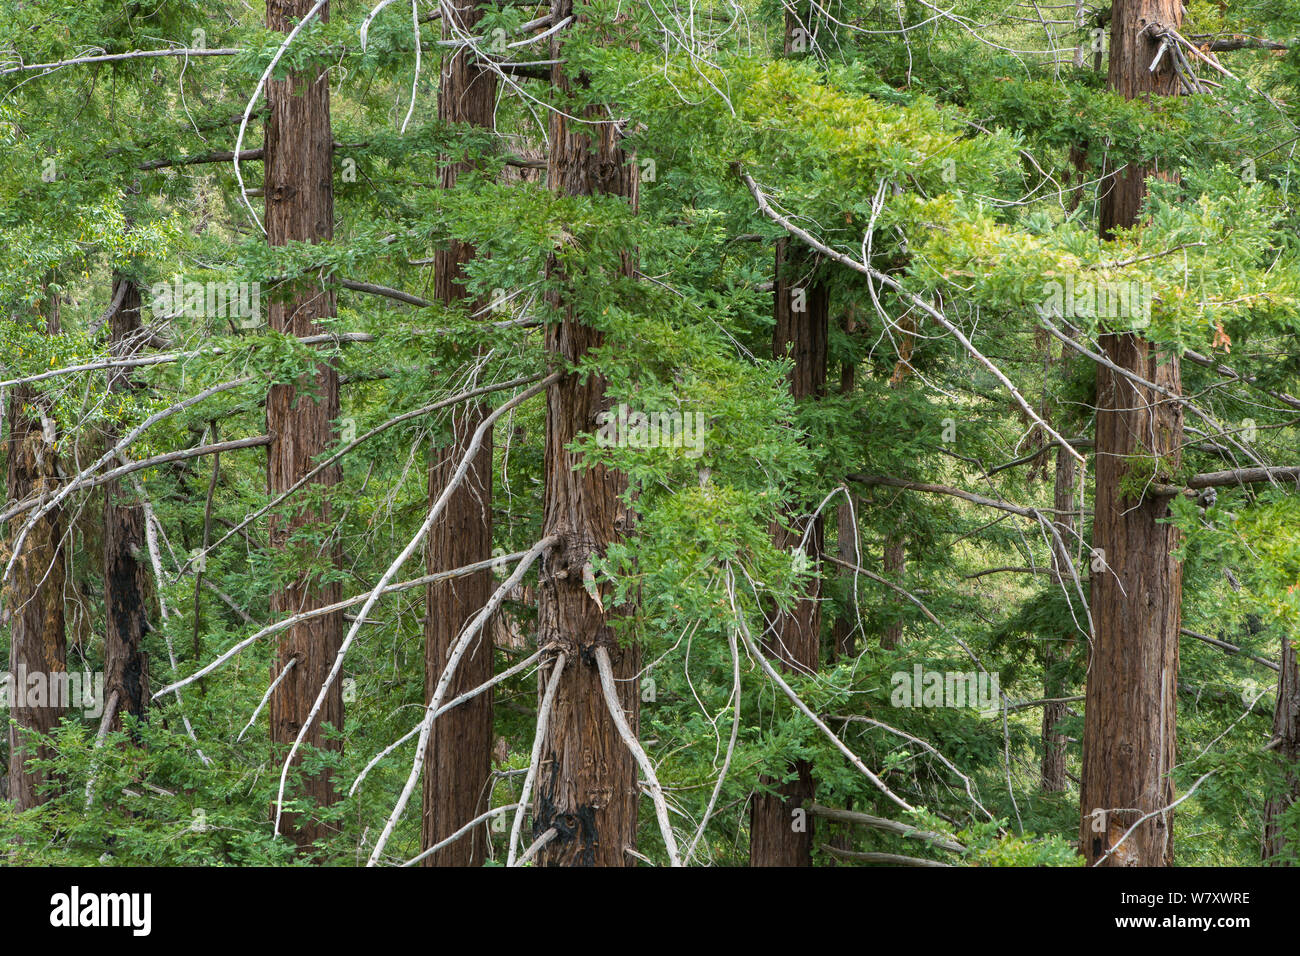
<point>780,829</point>
<point>587,779</point>
<point>300,417</point>
<point>1129,724</point>
<point>458,762</point>
<point>1286,731</point>
<point>126,670</point>
<point>32,599</point>
<point>1057,646</point>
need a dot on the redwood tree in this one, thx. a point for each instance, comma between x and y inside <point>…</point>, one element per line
<point>587,777</point>
<point>780,835</point>
<point>458,762</point>
<point>1129,732</point>
<point>32,599</point>
<point>126,673</point>
<point>299,416</point>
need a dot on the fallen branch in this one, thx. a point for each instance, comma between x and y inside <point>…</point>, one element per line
<point>884,823</point>
<point>118,57</point>
<point>629,739</point>
<point>535,758</point>
<point>886,859</point>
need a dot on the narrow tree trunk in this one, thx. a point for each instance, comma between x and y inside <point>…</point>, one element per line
<point>1057,646</point>
<point>845,625</point>
<point>895,565</point>
<point>33,598</point>
<point>1286,731</point>
<point>587,780</point>
<point>1129,732</point>
<point>780,828</point>
<point>126,670</point>
<point>458,762</point>
<point>299,417</point>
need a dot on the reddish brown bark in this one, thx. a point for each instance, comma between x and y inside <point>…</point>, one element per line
<point>300,416</point>
<point>126,670</point>
<point>895,564</point>
<point>1129,722</point>
<point>458,762</point>
<point>32,600</point>
<point>780,829</point>
<point>587,779</point>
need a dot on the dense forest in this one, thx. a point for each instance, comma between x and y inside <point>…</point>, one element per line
<point>644,433</point>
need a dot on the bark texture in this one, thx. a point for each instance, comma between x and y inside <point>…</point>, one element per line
<point>1129,732</point>
<point>458,762</point>
<point>780,828</point>
<point>32,600</point>
<point>895,565</point>
<point>300,416</point>
<point>126,666</point>
<point>587,779</point>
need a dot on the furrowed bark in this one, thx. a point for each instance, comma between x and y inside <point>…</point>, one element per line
<point>126,666</point>
<point>32,600</point>
<point>894,566</point>
<point>779,834</point>
<point>458,762</point>
<point>299,417</point>
<point>1129,732</point>
<point>587,779</point>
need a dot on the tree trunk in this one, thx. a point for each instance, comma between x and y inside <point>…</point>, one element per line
<point>844,627</point>
<point>126,670</point>
<point>299,417</point>
<point>458,762</point>
<point>1057,646</point>
<point>1286,731</point>
<point>780,829</point>
<point>895,565</point>
<point>587,778</point>
<point>33,597</point>
<point>1129,732</point>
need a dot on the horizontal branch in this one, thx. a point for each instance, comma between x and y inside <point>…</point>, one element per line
<point>946,490</point>
<point>162,358</point>
<point>885,859</point>
<point>118,57</point>
<point>883,823</point>
<point>1239,42</point>
<point>1229,648</point>
<point>198,451</point>
<point>1231,477</point>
